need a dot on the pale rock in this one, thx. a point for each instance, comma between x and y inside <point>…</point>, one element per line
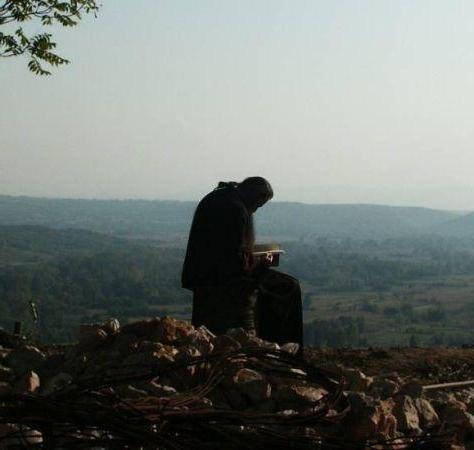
<point>290,347</point>
<point>356,380</point>
<point>12,436</point>
<point>28,383</point>
<point>23,359</point>
<point>257,342</point>
<point>170,330</point>
<point>199,339</point>
<point>368,419</point>
<point>406,414</point>
<point>204,330</point>
<point>297,397</point>
<point>111,326</point>
<point>246,388</point>
<point>426,413</point>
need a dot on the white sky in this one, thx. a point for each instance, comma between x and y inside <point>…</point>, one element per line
<point>333,101</point>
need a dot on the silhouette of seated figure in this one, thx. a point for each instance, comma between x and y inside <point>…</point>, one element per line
<point>231,288</point>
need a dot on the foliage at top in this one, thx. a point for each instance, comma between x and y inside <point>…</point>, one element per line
<point>38,47</point>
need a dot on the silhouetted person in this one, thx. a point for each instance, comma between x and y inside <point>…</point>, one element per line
<point>220,269</point>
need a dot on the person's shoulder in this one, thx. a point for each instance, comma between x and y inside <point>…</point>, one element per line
<point>227,200</point>
<point>224,195</point>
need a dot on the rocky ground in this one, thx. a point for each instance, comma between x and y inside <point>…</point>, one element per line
<point>428,365</point>
<point>163,384</point>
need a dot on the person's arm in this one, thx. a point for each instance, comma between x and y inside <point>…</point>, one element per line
<point>236,251</point>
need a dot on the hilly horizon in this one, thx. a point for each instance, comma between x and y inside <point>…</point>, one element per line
<point>194,201</point>
<point>172,218</point>
<point>462,227</point>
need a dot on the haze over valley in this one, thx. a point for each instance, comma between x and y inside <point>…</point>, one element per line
<point>371,274</point>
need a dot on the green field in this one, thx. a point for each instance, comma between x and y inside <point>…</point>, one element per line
<point>432,311</point>
<point>357,293</point>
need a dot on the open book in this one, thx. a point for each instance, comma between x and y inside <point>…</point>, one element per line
<point>261,250</point>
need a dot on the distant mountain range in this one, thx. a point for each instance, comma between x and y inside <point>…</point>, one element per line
<point>460,227</point>
<point>357,221</point>
<point>172,219</point>
<point>31,244</point>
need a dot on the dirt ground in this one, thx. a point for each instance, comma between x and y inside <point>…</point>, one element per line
<point>428,365</point>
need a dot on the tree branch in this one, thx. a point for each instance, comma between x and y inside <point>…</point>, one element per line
<point>39,46</point>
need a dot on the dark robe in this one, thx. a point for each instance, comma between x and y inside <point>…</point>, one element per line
<point>227,293</point>
<point>220,238</point>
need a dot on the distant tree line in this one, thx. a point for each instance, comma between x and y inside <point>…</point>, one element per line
<point>336,268</point>
<point>341,332</point>
<point>73,276</point>
<point>121,283</point>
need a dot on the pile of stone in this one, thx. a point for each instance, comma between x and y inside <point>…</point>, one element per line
<point>255,391</point>
<point>402,407</point>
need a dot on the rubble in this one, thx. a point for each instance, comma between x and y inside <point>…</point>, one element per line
<point>181,384</point>
<point>368,419</point>
<point>427,415</point>
<point>383,388</point>
<point>406,415</point>
<point>28,383</point>
<point>290,396</point>
<point>356,380</point>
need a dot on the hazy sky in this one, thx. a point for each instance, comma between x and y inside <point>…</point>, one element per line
<point>333,101</point>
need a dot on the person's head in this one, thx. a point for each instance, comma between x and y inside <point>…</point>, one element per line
<point>255,191</point>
